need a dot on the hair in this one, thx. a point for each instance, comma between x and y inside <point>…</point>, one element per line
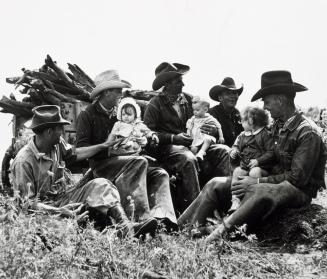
<point>259,116</point>
<point>202,103</point>
<point>129,109</point>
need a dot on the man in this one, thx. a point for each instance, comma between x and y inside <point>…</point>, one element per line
<point>38,172</point>
<point>146,187</point>
<point>167,114</point>
<point>301,158</point>
<point>228,116</point>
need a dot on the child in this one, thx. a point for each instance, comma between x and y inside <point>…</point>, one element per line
<point>129,128</point>
<point>254,147</point>
<point>201,142</point>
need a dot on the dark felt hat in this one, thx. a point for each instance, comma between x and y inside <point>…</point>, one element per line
<point>277,82</point>
<point>166,72</point>
<point>47,116</point>
<point>227,85</point>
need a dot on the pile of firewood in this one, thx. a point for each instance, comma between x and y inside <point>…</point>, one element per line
<point>52,85</point>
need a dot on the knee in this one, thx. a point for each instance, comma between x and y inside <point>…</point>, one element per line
<point>140,161</point>
<point>260,194</point>
<point>189,158</point>
<point>216,185</point>
<point>255,172</point>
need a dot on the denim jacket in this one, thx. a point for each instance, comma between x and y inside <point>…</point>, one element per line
<point>301,154</point>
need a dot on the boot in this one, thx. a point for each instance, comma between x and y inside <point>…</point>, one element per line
<point>128,229</point>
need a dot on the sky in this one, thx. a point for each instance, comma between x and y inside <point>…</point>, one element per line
<point>216,38</point>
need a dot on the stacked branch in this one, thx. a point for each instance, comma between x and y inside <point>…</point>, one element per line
<point>51,85</point>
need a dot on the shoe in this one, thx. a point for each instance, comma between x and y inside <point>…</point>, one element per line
<point>169,226</point>
<point>202,231</point>
<point>149,226</point>
<point>217,235</point>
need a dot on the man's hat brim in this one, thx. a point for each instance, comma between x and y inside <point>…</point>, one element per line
<point>216,91</point>
<point>108,85</point>
<point>282,88</point>
<point>47,124</point>
<point>163,78</point>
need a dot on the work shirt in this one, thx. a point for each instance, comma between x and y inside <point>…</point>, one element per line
<point>93,127</point>
<point>161,116</point>
<point>301,155</point>
<point>230,123</point>
<point>35,173</point>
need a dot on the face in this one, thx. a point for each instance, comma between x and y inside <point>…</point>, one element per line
<point>246,124</point>
<point>127,117</point>
<point>273,104</point>
<point>228,99</point>
<point>324,116</point>
<point>175,86</point>
<point>55,134</point>
<point>198,110</point>
<point>110,98</point>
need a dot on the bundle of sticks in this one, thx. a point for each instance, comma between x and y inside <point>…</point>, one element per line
<point>51,85</point>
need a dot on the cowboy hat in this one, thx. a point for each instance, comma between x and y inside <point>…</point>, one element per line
<point>227,85</point>
<point>166,72</point>
<point>107,80</point>
<point>277,82</point>
<point>47,116</point>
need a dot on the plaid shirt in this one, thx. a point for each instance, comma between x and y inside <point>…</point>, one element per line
<point>301,154</point>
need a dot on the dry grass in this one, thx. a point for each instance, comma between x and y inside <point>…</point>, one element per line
<point>42,246</point>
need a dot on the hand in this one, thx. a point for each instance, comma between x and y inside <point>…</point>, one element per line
<point>72,210</point>
<point>155,139</point>
<point>209,129</point>
<point>182,139</point>
<point>111,141</point>
<point>221,140</point>
<point>240,186</point>
<point>253,163</point>
<point>233,153</point>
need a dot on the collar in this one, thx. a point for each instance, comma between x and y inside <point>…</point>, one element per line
<point>169,99</point>
<point>109,112</point>
<point>251,133</point>
<point>38,155</point>
<point>233,112</point>
<point>293,122</point>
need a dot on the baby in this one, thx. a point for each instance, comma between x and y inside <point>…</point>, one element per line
<point>131,132</point>
<point>201,142</point>
<point>254,148</point>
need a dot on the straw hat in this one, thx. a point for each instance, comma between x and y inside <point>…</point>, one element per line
<point>107,80</point>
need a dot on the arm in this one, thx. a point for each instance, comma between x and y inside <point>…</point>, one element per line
<point>152,118</point>
<point>189,126</point>
<point>302,165</point>
<point>22,179</point>
<point>268,146</point>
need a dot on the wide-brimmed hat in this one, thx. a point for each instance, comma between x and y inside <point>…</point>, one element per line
<point>227,85</point>
<point>277,82</point>
<point>166,72</point>
<point>129,101</point>
<point>47,116</point>
<point>107,80</point>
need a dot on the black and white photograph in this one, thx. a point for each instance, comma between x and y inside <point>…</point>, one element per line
<point>161,139</point>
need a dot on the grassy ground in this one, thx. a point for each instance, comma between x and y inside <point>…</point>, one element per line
<point>42,246</point>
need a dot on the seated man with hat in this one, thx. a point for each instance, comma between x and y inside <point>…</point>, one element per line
<point>147,187</point>
<point>38,172</point>
<point>301,157</point>
<point>227,115</point>
<point>167,114</point>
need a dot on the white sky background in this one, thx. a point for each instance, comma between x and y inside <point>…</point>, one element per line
<point>241,39</point>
